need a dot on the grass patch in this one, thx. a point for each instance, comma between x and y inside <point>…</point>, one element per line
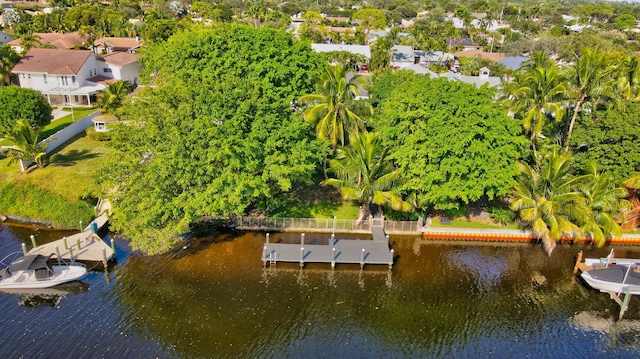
<point>62,122</point>
<point>312,201</point>
<point>59,188</point>
<point>463,223</point>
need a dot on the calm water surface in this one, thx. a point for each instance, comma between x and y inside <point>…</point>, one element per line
<point>215,300</point>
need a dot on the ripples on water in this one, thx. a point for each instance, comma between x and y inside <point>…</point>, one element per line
<point>215,300</point>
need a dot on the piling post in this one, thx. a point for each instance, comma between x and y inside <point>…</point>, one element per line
<point>391,260</point>
<point>33,241</point>
<point>625,303</point>
<point>302,239</point>
<point>362,259</point>
<point>80,226</point>
<point>387,237</point>
<point>267,239</point>
<point>333,239</point>
<point>302,255</point>
<point>66,246</point>
<point>104,258</point>
<point>333,257</point>
<point>58,254</point>
<point>264,253</point>
<point>334,224</point>
<point>113,248</point>
<point>24,249</point>
<point>78,243</point>
<point>71,254</point>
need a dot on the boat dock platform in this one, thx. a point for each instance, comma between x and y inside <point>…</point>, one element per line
<point>351,251</point>
<point>84,247</point>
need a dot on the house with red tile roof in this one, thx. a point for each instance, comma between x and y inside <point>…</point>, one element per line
<point>69,40</point>
<point>73,76</point>
<point>116,44</point>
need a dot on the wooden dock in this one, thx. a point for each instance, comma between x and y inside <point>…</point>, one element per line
<point>347,251</point>
<point>84,247</point>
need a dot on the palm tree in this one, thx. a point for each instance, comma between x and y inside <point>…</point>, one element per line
<point>29,41</point>
<point>335,111</point>
<point>628,73</point>
<point>24,145</point>
<point>535,94</point>
<point>8,59</point>
<point>363,173</point>
<point>605,201</point>
<point>590,80</point>
<point>547,199</point>
<point>111,98</point>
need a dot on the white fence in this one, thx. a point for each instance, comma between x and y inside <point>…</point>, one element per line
<point>65,135</point>
<point>322,224</point>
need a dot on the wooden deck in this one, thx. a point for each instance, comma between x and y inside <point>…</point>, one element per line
<point>85,247</point>
<point>347,251</point>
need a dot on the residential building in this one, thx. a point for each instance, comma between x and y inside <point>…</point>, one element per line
<point>116,44</point>
<point>4,37</point>
<point>73,76</point>
<point>69,40</point>
<point>363,50</point>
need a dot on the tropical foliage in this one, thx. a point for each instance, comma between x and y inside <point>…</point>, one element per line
<point>111,98</point>
<point>215,133</point>
<point>452,142</point>
<point>24,145</point>
<point>364,173</point>
<point>22,103</point>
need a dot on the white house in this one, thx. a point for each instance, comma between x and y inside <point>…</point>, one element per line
<point>363,50</point>
<point>4,37</point>
<point>117,44</point>
<point>72,76</point>
<point>403,56</point>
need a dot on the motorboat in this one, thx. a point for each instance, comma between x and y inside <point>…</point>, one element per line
<point>619,278</point>
<point>36,271</point>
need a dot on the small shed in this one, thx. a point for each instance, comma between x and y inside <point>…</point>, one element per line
<point>100,122</point>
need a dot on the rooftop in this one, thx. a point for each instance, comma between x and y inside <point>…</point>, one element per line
<point>53,61</point>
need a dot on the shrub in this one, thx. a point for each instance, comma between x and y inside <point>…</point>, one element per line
<point>502,215</point>
<point>97,136</point>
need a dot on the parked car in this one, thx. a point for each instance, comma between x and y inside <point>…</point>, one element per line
<point>364,68</point>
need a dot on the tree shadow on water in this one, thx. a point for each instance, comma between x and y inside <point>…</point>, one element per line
<point>70,158</point>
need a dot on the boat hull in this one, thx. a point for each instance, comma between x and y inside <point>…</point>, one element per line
<point>26,279</point>
<point>611,279</point>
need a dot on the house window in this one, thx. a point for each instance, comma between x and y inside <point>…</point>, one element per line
<point>107,70</point>
<point>29,76</point>
<point>65,81</point>
<point>90,73</point>
<point>73,79</point>
<point>45,78</point>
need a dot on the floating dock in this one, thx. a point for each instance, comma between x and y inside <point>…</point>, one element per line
<point>351,251</point>
<point>84,247</point>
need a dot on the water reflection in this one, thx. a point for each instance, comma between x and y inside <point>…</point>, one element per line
<point>448,300</point>
<point>51,297</point>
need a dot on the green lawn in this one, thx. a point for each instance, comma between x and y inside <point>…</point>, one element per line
<point>463,223</point>
<point>63,122</point>
<point>70,173</point>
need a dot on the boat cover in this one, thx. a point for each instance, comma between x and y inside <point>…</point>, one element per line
<point>615,274</point>
<point>33,261</point>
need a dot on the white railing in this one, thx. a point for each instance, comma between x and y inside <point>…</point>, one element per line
<point>328,224</point>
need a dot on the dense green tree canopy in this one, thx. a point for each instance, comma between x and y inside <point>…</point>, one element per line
<point>609,137</point>
<point>18,103</point>
<point>216,135</point>
<point>452,142</point>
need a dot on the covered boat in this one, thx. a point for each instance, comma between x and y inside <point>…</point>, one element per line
<point>35,271</point>
<point>615,279</point>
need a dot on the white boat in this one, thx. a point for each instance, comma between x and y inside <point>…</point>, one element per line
<point>35,271</point>
<point>618,278</point>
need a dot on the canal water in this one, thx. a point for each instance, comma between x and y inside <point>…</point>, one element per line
<point>214,299</point>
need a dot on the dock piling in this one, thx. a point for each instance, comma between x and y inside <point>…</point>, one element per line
<point>333,257</point>
<point>66,246</point>
<point>302,239</point>
<point>302,255</point>
<point>24,249</point>
<point>78,242</point>
<point>391,260</point>
<point>33,241</point>
<point>71,254</point>
<point>58,256</point>
<point>264,253</point>
<point>267,239</point>
<point>335,219</point>
<point>104,258</point>
<point>362,259</point>
<point>113,248</point>
<point>333,239</point>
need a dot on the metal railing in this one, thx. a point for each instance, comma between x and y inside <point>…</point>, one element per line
<point>328,224</point>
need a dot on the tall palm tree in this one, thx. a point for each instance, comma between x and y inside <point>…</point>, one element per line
<point>29,41</point>
<point>335,111</point>
<point>111,98</point>
<point>363,173</point>
<point>24,145</point>
<point>535,94</point>
<point>605,201</point>
<point>589,80</point>
<point>547,199</point>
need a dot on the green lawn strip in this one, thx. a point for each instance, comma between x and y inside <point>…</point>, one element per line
<point>68,178</point>
<point>65,121</point>
<point>463,223</point>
